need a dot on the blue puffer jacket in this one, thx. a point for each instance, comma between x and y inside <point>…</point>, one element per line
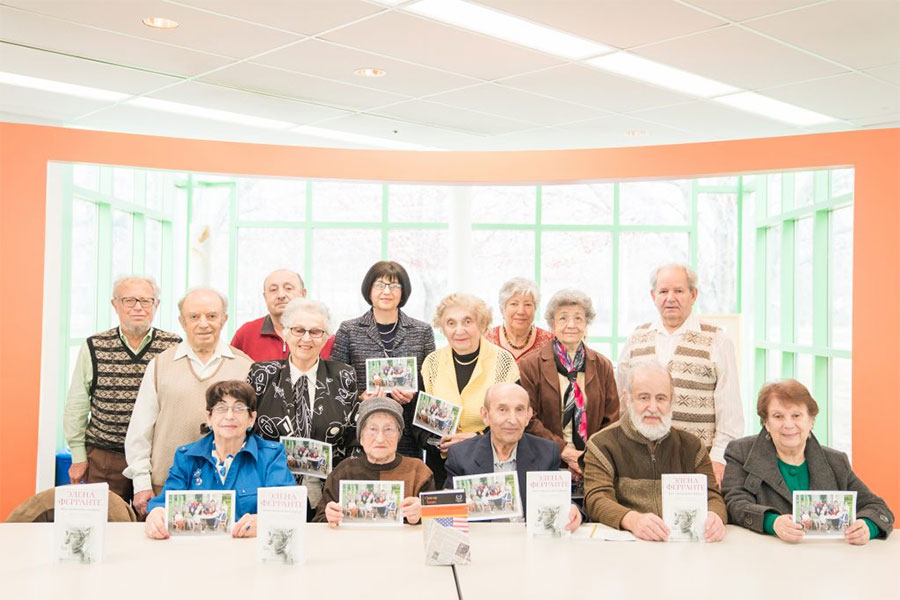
<point>260,463</point>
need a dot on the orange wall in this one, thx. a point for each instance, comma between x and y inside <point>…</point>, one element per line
<point>25,150</point>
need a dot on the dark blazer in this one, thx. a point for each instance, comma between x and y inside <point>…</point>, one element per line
<point>540,379</point>
<point>358,339</point>
<point>475,456</point>
<point>753,484</point>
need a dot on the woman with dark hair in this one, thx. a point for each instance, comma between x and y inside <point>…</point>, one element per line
<point>386,331</point>
<point>230,457</point>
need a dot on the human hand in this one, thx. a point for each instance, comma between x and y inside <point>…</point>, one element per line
<point>245,527</point>
<point>333,514</point>
<point>140,501</point>
<point>454,439</point>
<point>77,471</point>
<point>787,530</point>
<point>645,526</point>
<point>411,507</point>
<point>570,456</point>
<point>574,518</point>
<point>155,527</point>
<point>715,528</point>
<point>402,396</point>
<point>857,533</point>
<point>719,472</point>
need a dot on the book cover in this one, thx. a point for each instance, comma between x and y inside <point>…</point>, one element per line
<point>684,504</point>
<point>445,526</point>
<point>491,495</point>
<point>436,416</point>
<point>280,524</point>
<point>392,372</point>
<point>79,522</point>
<point>371,503</point>
<point>549,502</point>
<point>306,456</point>
<point>200,512</point>
<point>824,514</point>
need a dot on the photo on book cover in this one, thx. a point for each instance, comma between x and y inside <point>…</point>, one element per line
<point>307,456</point>
<point>371,503</point>
<point>824,514</point>
<point>436,416</point>
<point>394,372</point>
<point>491,495</point>
<point>200,513</point>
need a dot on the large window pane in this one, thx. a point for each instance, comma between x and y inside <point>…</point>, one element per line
<point>773,191</point>
<point>840,277</point>
<point>841,404</point>
<point>337,201</point>
<point>86,176</point>
<point>841,182</point>
<point>425,256</point>
<point>498,256</point>
<point>123,185</point>
<point>122,226</point>
<point>358,250</point>
<point>419,203</point>
<point>259,252</point>
<point>209,236</point>
<point>271,199</point>
<point>773,365</point>
<point>654,202</point>
<point>580,260</point>
<point>803,369</point>
<point>803,281</point>
<point>773,284</point>
<point>590,204</point>
<point>510,204</point>
<point>639,255</point>
<point>804,193</point>
<point>717,253</point>
<point>153,249</point>
<point>83,295</point>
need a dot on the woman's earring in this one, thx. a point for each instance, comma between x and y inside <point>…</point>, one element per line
<point>768,437</point>
<point>249,429</point>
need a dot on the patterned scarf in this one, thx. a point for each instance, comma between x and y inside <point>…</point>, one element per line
<point>222,466</point>
<point>573,399</point>
<point>298,411</point>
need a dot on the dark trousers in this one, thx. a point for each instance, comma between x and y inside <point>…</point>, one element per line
<point>107,466</point>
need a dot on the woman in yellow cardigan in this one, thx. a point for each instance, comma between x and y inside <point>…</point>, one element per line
<point>463,371</point>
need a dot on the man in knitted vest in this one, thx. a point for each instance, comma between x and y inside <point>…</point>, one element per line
<point>700,358</point>
<point>105,384</point>
<point>170,407</point>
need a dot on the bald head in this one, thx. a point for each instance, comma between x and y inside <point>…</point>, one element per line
<point>279,288</point>
<point>506,391</point>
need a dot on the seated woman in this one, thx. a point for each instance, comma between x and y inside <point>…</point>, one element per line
<point>763,471</point>
<point>380,427</point>
<point>518,334</point>
<point>572,388</point>
<point>228,458</point>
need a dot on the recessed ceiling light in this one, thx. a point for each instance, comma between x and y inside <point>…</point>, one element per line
<point>637,133</point>
<point>58,87</point>
<point>209,113</point>
<point>358,138</point>
<point>774,109</point>
<point>159,22</point>
<point>369,72</point>
<point>507,27</point>
<point>636,67</point>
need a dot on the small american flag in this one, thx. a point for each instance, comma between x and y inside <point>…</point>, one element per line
<point>455,522</point>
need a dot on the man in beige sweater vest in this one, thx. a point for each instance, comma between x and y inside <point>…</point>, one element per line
<point>169,409</point>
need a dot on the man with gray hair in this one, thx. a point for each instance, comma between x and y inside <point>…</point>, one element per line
<point>623,463</point>
<point>170,410</point>
<point>700,358</point>
<point>105,384</point>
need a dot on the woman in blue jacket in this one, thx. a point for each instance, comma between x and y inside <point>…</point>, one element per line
<point>229,458</point>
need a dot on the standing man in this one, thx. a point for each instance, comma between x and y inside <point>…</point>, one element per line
<point>171,405</point>
<point>260,338</point>
<point>105,384</point>
<point>699,357</point>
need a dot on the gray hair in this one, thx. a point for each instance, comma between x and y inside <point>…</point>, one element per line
<point>298,305</point>
<point>569,297</point>
<point>690,274</point>
<point>123,279</point>
<point>645,366</point>
<point>519,285</point>
<point>204,289</point>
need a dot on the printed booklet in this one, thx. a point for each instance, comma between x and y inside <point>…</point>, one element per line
<point>389,373</point>
<point>280,524</point>
<point>445,525</point>
<point>684,504</point>
<point>437,416</point>
<point>306,456</point>
<point>824,514</point>
<point>200,512</point>
<point>491,495</point>
<point>79,522</point>
<point>372,503</point>
<point>549,502</point>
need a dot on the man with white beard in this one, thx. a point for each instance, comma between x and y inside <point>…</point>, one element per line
<point>623,463</point>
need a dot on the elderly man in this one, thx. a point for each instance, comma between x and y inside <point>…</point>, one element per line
<point>623,463</point>
<point>105,384</point>
<point>171,406</point>
<point>260,339</point>
<point>700,358</point>
<point>506,446</point>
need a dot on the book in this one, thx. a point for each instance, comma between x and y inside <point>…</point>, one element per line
<point>199,512</point>
<point>306,456</point>
<point>824,514</point>
<point>281,524</point>
<point>684,504</point>
<point>436,416</point>
<point>549,502</point>
<point>491,495</point>
<point>79,522</point>
<point>392,372</point>
<point>371,503</point>
<point>445,526</point>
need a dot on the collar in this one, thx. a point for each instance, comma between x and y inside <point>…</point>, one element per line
<point>204,446</point>
<point>222,350</point>
<point>512,455</point>
<point>762,461</point>
<point>296,373</point>
<point>385,467</point>
<point>268,327</point>
<point>692,323</point>
<point>144,340</point>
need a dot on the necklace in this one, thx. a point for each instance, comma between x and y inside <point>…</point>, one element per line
<point>464,364</point>
<point>509,339</point>
<point>391,330</point>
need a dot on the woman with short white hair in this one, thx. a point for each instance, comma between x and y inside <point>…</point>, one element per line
<point>518,335</point>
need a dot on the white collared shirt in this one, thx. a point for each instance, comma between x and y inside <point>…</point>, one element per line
<point>310,375</point>
<point>502,466</point>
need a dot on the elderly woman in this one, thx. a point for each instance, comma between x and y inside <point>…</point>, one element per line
<point>306,396</point>
<point>518,334</point>
<point>381,424</point>
<point>572,388</point>
<point>228,458</point>
<point>386,331</point>
<point>763,471</point>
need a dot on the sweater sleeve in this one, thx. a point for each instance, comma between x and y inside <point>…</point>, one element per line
<point>716,503</point>
<point>600,500</point>
<point>740,488</point>
<point>331,492</point>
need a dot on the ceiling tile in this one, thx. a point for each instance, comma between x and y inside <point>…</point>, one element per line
<point>715,121</point>
<point>739,57</point>
<point>336,62</point>
<point>612,22</point>
<point>48,105</point>
<point>402,131</point>
<point>857,34</point>
<point>308,17</point>
<point>592,87</point>
<point>738,10</point>
<point>849,96</point>
<point>430,113</point>
<point>613,131</point>
<point>889,73</point>
<point>440,46</point>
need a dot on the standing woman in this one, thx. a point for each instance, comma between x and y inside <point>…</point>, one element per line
<point>386,331</point>
<point>518,334</point>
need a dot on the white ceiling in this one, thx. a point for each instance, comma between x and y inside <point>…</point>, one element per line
<point>447,87</point>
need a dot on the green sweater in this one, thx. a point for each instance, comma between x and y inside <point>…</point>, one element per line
<point>796,477</point>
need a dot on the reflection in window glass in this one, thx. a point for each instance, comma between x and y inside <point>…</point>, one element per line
<point>83,295</point>
<point>728,181</point>
<point>654,202</point>
<point>841,182</point>
<point>359,249</point>
<point>717,253</point>
<point>773,365</point>
<point>424,255</point>
<point>803,370</point>
<point>577,204</point>
<point>840,405</point>
<point>123,185</point>
<point>153,249</point>
<point>803,281</point>
<point>497,204</point>
<point>86,176</point>
<point>639,255</point>
<point>497,257</point>
<point>580,260</point>
<point>804,193</point>
<point>840,277</point>
<point>209,236</point>
<point>336,201</point>
<point>259,252</point>
<point>419,203</point>
<point>773,284</point>
<point>122,225</point>
<point>271,199</point>
<point>773,190</point>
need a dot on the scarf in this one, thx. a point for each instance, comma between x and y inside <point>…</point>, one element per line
<point>298,411</point>
<point>573,399</point>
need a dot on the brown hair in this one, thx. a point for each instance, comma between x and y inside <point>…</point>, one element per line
<point>390,270</point>
<point>235,388</point>
<point>788,391</point>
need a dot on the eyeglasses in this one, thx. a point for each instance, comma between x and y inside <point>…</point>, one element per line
<point>393,287</point>
<point>388,432</point>
<point>237,409</point>
<point>130,302</point>
<point>315,334</point>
